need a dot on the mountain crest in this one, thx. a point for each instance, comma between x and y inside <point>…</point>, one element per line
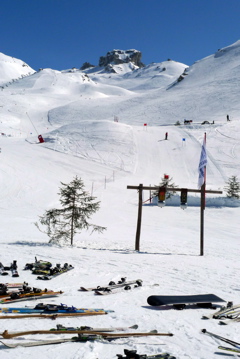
<point>116,57</point>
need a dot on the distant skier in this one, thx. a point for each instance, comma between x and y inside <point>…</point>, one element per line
<point>228,118</point>
<point>166,136</point>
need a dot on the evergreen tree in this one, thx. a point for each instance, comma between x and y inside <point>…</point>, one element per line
<point>166,181</point>
<point>77,207</point>
<point>233,187</point>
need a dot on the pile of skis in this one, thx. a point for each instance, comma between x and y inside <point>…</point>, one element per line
<point>43,309</point>
<point>235,345</point>
<point>83,335</point>
<point>12,268</point>
<point>49,311</point>
<point>45,270</point>
<point>8,289</point>
<point>227,314</point>
<point>10,293</point>
<point>113,287</point>
<point>132,354</point>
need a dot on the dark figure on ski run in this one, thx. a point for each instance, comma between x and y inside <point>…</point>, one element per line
<point>228,118</point>
<point>166,136</point>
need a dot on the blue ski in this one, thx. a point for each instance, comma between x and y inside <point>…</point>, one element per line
<point>51,308</point>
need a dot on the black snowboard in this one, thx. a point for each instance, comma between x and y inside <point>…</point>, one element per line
<point>181,300</point>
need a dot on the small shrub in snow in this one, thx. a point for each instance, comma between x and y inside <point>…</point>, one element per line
<point>232,187</point>
<point>77,207</point>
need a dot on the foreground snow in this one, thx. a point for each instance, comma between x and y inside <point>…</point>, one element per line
<point>169,248</point>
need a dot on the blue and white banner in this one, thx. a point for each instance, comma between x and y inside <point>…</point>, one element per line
<point>202,164</point>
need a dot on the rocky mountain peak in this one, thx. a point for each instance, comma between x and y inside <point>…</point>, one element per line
<point>116,57</point>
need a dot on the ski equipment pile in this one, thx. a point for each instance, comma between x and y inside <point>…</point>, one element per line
<point>14,293</point>
<point>16,297</point>
<point>12,268</point>
<point>56,271</point>
<point>236,345</point>
<point>126,287</point>
<point>7,335</point>
<point>132,354</point>
<point>48,308</point>
<point>38,265</point>
<point>83,328</point>
<point>230,312</point>
<point>45,270</point>
<point>82,337</point>
<point>113,287</point>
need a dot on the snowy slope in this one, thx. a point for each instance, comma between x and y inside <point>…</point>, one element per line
<point>12,69</point>
<point>75,115</point>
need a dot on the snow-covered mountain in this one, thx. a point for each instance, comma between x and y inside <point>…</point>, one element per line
<point>108,127</point>
<point>159,93</point>
<point>12,69</point>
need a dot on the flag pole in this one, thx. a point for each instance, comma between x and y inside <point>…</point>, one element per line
<point>203,205</point>
<point>202,220</point>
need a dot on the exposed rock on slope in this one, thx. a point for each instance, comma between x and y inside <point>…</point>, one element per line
<point>117,57</point>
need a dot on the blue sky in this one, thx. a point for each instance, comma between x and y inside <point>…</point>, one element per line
<point>62,34</point>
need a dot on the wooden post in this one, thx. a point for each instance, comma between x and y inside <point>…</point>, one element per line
<point>139,220</point>
<point>202,191</point>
